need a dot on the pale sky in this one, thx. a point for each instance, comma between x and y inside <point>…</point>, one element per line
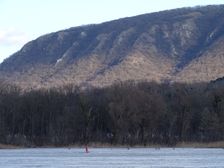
<point>25,20</point>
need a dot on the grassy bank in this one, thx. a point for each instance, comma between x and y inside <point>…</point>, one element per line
<point>7,146</point>
<point>218,144</point>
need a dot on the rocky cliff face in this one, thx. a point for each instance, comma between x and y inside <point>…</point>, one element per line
<point>184,45</point>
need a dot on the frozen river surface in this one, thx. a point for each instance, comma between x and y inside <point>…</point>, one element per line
<point>114,158</point>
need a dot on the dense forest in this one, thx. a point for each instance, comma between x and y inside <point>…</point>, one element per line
<point>124,113</point>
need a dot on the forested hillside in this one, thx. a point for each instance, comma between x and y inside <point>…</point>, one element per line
<point>124,113</point>
<point>180,45</point>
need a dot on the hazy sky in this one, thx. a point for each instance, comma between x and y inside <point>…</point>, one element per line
<point>25,20</point>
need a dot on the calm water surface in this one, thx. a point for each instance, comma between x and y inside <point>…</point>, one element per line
<point>112,158</point>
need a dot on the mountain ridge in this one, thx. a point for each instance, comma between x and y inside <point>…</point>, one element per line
<point>180,45</point>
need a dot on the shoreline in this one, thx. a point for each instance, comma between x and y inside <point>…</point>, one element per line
<point>217,144</point>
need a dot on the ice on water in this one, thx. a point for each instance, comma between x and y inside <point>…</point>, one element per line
<point>112,158</point>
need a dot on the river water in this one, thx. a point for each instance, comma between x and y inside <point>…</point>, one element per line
<point>112,158</point>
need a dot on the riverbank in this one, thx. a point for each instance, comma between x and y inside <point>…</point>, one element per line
<point>218,144</point>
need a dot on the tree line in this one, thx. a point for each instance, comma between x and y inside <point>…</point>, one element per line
<point>127,113</point>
